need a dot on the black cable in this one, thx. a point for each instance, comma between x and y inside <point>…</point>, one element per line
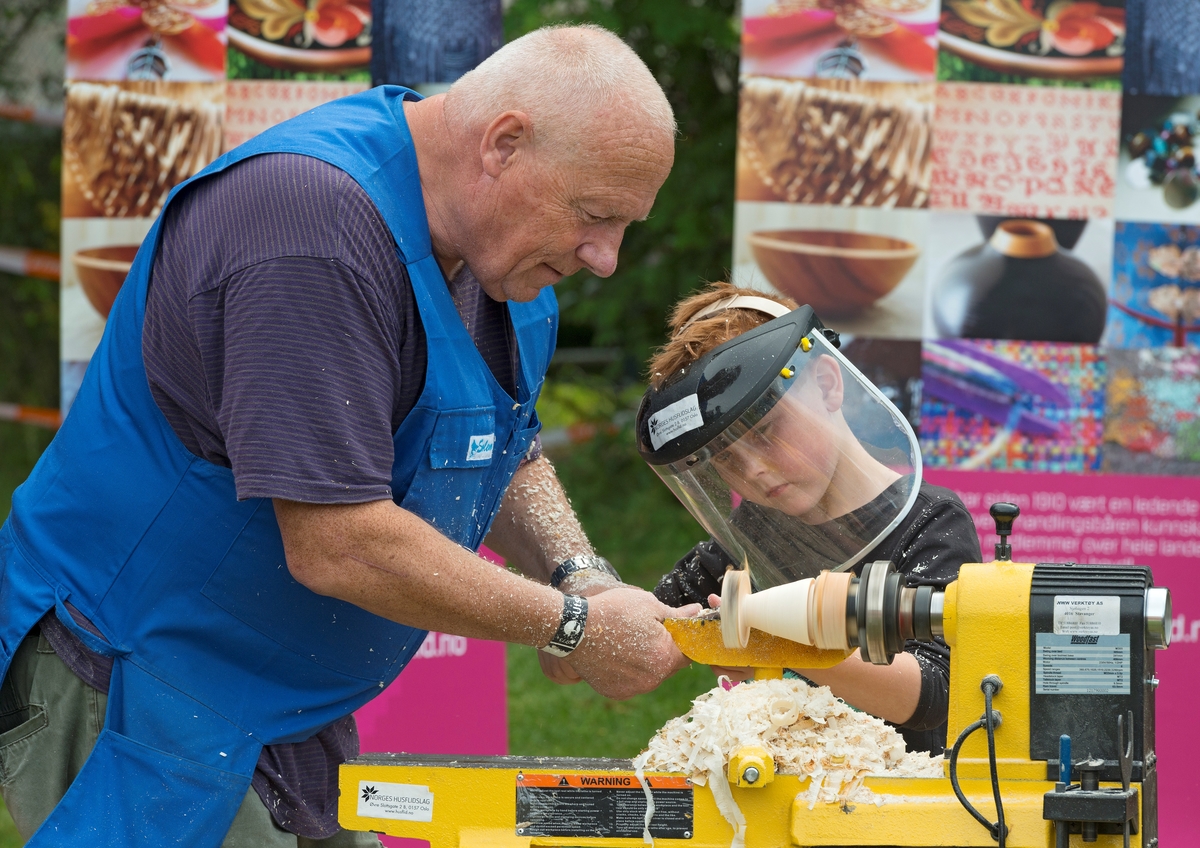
<point>990,720</point>
<point>999,831</point>
<point>962,799</point>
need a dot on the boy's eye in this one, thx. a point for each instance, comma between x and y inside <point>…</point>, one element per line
<point>728,459</point>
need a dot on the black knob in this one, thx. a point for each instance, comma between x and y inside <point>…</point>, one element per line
<point>1004,514</point>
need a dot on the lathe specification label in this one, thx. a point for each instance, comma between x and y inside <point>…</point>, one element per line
<point>607,805</point>
<point>1082,664</point>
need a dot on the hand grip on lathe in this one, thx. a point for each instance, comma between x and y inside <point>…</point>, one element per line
<point>1004,514</point>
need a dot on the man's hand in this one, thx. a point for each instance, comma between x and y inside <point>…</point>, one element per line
<point>738,674</point>
<point>557,669</point>
<point>626,650</point>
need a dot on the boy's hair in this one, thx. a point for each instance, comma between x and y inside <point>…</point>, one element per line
<point>689,342</point>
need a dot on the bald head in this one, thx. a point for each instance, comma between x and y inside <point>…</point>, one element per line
<point>533,165</point>
<point>567,79</point>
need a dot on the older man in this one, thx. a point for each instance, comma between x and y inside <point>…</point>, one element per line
<point>313,396</point>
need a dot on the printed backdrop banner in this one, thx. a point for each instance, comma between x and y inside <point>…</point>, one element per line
<point>1018,150</point>
<point>1006,232</point>
<point>1002,219</point>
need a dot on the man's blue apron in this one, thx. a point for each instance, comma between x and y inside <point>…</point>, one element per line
<point>218,649</point>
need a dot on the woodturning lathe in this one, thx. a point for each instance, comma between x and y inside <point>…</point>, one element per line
<point>1053,662</point>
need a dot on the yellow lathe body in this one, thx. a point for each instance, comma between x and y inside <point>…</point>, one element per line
<point>986,619</point>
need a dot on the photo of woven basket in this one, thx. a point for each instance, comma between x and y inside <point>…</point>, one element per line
<point>843,142</point>
<point>126,146</point>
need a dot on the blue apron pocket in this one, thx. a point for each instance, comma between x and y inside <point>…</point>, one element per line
<point>131,794</point>
<point>464,438</point>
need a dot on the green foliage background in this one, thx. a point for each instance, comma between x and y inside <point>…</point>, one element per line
<point>29,193</point>
<point>692,49</point>
<point>29,179</point>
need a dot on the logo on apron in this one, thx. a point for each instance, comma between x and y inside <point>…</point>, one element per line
<point>481,448</point>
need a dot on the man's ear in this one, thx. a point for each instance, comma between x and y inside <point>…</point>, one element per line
<point>504,138</point>
<point>828,375</point>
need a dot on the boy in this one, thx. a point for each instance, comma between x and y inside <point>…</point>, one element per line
<point>816,472</point>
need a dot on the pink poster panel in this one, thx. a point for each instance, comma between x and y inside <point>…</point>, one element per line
<point>452,698</point>
<point>1134,520</point>
<point>252,106</point>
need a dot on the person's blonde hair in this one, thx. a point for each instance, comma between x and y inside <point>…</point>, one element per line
<point>565,78</point>
<point>690,341</point>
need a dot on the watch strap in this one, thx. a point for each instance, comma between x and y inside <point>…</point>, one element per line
<point>582,562</point>
<point>570,627</point>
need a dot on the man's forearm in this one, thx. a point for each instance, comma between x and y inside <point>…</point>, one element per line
<point>390,562</point>
<point>536,528</point>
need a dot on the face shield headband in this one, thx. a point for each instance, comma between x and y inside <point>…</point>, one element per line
<point>783,451</point>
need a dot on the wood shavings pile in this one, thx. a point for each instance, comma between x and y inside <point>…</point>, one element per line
<point>807,731</point>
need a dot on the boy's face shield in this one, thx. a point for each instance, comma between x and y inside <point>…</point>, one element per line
<point>811,476</point>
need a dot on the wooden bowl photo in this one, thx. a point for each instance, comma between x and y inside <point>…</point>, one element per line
<point>835,272</point>
<point>101,272</point>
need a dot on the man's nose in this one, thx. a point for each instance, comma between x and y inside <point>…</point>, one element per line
<point>599,252</point>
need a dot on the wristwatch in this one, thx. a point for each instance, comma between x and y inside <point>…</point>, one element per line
<point>570,627</point>
<point>582,562</point>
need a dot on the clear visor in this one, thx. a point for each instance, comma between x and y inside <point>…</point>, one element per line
<point>811,476</point>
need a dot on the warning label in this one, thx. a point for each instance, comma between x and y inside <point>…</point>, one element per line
<point>605,805</point>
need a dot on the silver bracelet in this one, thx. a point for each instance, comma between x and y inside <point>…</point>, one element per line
<point>570,627</point>
<point>581,562</point>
